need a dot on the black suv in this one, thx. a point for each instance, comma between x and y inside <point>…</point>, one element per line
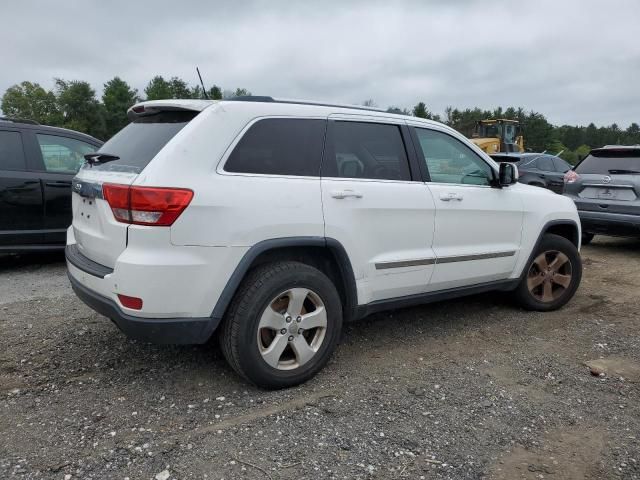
<point>605,187</point>
<point>539,169</point>
<point>37,164</point>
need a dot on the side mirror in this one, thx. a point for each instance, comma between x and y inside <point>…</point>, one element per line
<point>508,174</point>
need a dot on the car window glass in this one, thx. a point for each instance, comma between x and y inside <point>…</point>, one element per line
<point>11,151</point>
<point>610,163</point>
<point>366,150</point>
<point>450,161</point>
<point>140,141</point>
<point>63,154</point>
<point>280,146</point>
<point>561,165</point>
<point>545,164</point>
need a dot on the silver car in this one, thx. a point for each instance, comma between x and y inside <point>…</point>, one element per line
<point>605,187</point>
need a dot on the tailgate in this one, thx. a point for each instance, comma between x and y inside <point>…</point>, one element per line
<point>98,235</point>
<point>611,193</point>
<point>608,180</point>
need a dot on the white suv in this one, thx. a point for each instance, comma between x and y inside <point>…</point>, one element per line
<point>272,222</point>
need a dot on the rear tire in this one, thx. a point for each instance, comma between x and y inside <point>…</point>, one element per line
<point>551,277</point>
<point>586,238</point>
<point>260,337</point>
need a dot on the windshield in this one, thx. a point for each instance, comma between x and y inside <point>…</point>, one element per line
<point>616,163</point>
<point>490,130</point>
<point>137,143</point>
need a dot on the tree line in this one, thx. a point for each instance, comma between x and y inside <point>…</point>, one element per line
<point>73,104</point>
<point>571,142</point>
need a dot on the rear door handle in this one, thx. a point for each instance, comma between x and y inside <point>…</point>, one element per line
<point>59,184</point>
<point>340,194</point>
<point>447,197</point>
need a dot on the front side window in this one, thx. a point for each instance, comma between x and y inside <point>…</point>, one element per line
<point>280,146</point>
<point>366,150</point>
<point>62,154</point>
<point>450,161</point>
<point>11,151</point>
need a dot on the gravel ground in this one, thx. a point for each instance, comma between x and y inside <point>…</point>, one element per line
<point>472,388</point>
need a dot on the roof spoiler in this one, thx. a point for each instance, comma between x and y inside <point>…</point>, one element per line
<point>155,106</point>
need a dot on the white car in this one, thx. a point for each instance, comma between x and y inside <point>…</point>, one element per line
<point>272,222</point>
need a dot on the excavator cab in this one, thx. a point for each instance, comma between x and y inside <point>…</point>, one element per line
<point>499,135</point>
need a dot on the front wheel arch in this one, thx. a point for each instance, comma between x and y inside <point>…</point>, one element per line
<point>525,293</point>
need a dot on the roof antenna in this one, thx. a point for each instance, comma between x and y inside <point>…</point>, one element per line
<point>204,91</point>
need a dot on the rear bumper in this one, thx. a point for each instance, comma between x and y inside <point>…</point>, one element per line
<point>610,223</point>
<point>154,330</point>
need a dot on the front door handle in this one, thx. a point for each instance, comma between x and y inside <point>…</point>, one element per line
<point>340,194</point>
<point>447,197</point>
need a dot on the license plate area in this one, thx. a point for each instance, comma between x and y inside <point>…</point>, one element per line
<point>608,193</point>
<point>86,214</point>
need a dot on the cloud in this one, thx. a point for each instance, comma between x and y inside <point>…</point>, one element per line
<point>574,61</point>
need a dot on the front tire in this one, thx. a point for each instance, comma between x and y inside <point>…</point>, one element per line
<point>282,325</point>
<point>552,276</point>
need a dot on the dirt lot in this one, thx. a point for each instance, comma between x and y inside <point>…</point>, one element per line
<point>472,388</point>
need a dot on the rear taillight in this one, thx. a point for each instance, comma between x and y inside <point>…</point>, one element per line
<point>117,196</point>
<point>146,205</point>
<point>571,176</point>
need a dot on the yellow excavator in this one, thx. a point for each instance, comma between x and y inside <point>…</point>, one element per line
<point>498,135</point>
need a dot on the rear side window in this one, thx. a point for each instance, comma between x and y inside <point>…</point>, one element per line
<point>280,146</point>
<point>62,154</point>
<point>608,163</point>
<point>141,140</point>
<point>561,165</point>
<point>11,151</point>
<point>366,150</point>
<point>545,164</point>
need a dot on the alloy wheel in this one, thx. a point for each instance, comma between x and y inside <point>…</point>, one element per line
<point>292,328</point>
<point>549,276</point>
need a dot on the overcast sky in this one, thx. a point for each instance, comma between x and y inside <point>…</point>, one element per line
<point>575,61</point>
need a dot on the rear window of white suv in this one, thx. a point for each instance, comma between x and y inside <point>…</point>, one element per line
<point>137,143</point>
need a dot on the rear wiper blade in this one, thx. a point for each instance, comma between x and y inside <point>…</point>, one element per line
<point>100,157</point>
<point>622,172</point>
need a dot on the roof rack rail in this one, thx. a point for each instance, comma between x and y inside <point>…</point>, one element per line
<point>250,98</point>
<point>619,146</point>
<point>267,99</point>
<point>18,120</point>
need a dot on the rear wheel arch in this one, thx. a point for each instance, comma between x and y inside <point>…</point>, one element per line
<point>325,254</point>
<point>533,180</point>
